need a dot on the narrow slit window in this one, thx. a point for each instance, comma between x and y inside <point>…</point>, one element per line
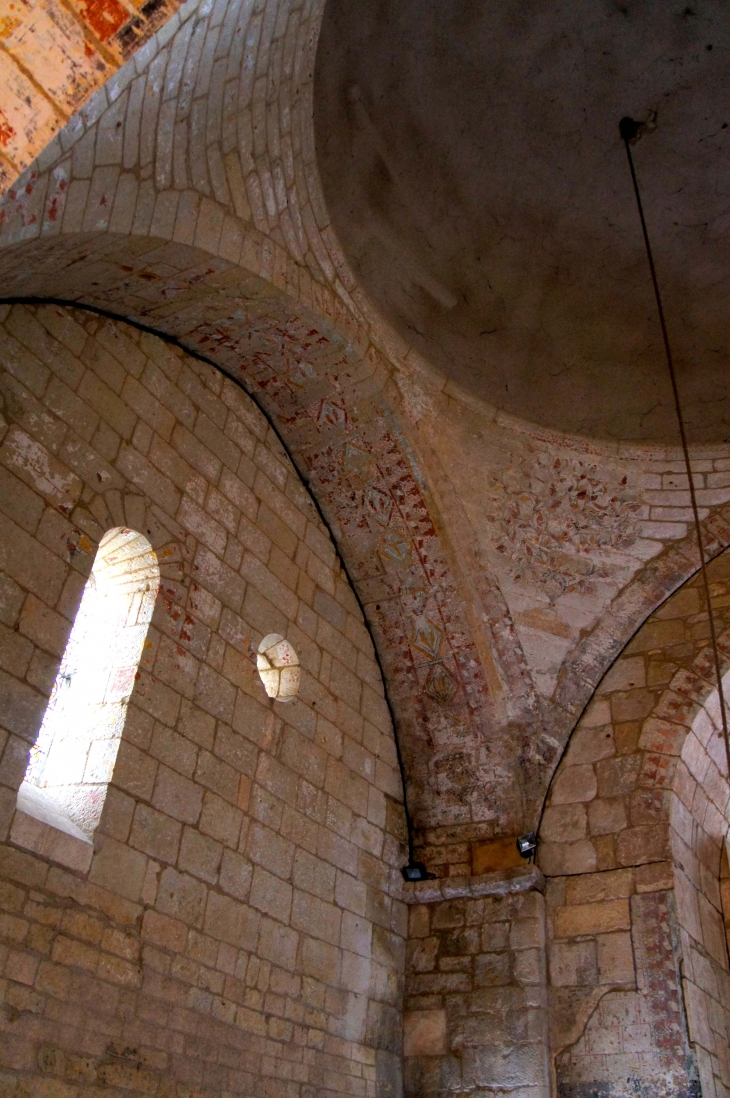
<point>72,761</point>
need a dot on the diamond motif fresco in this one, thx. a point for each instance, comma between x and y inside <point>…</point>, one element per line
<point>427,638</point>
<point>395,547</point>
<point>440,685</point>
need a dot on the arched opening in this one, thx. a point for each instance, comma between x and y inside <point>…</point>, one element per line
<point>73,758</point>
<point>278,668</point>
<point>631,840</point>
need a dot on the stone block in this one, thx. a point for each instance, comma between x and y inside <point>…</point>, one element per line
<point>177,796</point>
<point>314,876</point>
<point>270,850</point>
<point>174,750</point>
<point>628,673</point>
<point>200,855</point>
<point>589,745</point>
<point>573,784</point>
<point>615,959</point>
<point>495,854</point>
<point>564,823</point>
<point>11,600</point>
<point>492,1066</point>
<point>32,463</point>
<point>29,563</point>
<point>351,894</point>
<point>607,815</point>
<point>320,919</point>
<point>662,736</point>
<point>217,776</point>
<point>592,918</point>
<point>654,877</point>
<point>558,858</point>
<point>182,897</point>
<point>492,969</point>
<point>279,945</point>
<point>529,967</point>
<point>356,934</point>
<point>21,711</point>
<point>422,953</point>
<point>215,694</point>
<point>230,921</point>
<point>271,895</point>
<point>49,842</point>
<point>321,961</point>
<point>618,776</point>
<point>424,1033</point>
<point>155,833</point>
<point>632,705</point>
<point>19,502</point>
<point>618,884</point>
<point>119,869</point>
<point>236,873</point>
<point>637,845</point>
<point>573,964</point>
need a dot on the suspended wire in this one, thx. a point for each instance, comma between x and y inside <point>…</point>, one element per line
<point>629,130</point>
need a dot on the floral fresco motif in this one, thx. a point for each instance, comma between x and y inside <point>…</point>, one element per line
<point>556,515</point>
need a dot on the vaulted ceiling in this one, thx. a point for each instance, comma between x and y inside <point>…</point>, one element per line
<point>473,169</point>
<point>501,567</point>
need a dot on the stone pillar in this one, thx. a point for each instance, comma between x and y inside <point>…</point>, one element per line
<point>476,996</point>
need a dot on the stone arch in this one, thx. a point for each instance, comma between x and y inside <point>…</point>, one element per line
<point>330,394</point>
<point>311,382</point>
<point>632,840</point>
<point>212,174</point>
<point>596,652</point>
<point>204,175</point>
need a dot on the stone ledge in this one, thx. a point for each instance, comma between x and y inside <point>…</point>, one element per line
<point>41,826</point>
<point>502,883</point>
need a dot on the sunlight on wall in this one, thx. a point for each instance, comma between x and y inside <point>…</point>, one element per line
<point>72,761</point>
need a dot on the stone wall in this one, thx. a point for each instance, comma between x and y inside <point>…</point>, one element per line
<point>476,1001</point>
<point>241,927</point>
<point>632,838</point>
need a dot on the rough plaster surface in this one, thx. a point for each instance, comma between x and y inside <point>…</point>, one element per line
<point>474,173</point>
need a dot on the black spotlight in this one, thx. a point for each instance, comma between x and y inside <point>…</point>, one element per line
<point>527,845</point>
<point>415,871</point>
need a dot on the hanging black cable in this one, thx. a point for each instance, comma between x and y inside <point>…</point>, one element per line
<point>629,130</point>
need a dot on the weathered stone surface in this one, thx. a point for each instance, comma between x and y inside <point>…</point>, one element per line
<point>424,1033</point>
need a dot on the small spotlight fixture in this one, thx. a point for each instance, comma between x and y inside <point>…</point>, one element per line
<point>415,871</point>
<point>527,845</point>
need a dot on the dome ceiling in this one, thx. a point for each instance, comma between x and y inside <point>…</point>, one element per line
<point>474,173</point>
